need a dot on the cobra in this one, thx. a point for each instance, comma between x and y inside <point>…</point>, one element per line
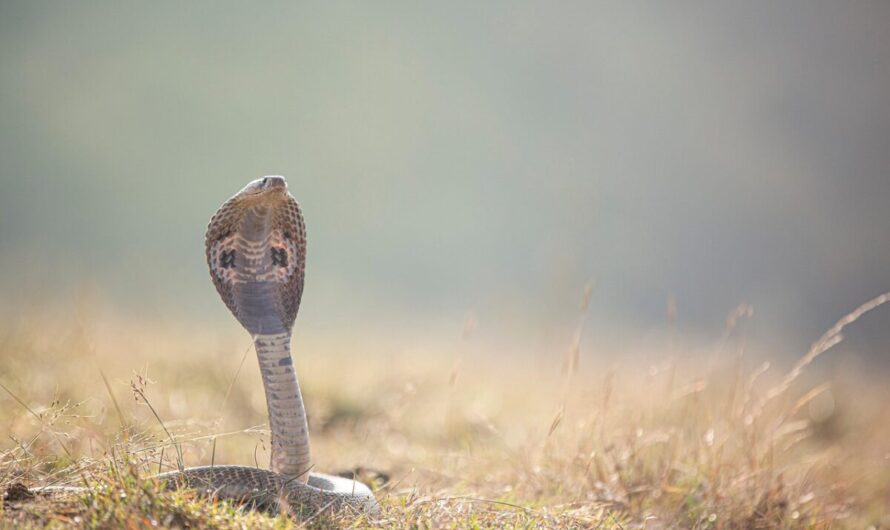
<point>256,251</point>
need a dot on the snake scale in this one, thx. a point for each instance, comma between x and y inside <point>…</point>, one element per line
<point>256,250</point>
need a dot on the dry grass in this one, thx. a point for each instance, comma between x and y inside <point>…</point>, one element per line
<point>450,440</point>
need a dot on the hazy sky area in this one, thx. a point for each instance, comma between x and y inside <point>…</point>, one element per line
<point>458,157</point>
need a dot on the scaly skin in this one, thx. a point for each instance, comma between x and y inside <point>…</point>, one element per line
<point>256,251</point>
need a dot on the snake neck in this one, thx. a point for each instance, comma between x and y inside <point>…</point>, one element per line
<point>255,289</point>
<point>287,415</point>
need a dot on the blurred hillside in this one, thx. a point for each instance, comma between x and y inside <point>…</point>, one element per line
<point>459,159</point>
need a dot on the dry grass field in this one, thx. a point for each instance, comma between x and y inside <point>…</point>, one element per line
<point>449,438</point>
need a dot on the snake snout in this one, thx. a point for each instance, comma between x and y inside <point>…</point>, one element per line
<point>271,185</point>
<point>274,181</point>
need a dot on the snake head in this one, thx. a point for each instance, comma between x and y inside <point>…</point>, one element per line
<point>266,186</point>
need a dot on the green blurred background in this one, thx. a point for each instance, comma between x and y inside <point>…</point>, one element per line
<point>459,159</point>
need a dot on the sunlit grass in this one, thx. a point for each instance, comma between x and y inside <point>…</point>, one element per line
<point>449,440</point>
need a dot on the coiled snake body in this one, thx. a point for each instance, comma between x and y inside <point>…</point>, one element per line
<point>256,250</point>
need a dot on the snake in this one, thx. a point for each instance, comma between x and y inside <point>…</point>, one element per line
<point>255,247</point>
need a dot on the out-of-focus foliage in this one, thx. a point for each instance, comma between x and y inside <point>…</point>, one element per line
<point>458,156</point>
<point>449,438</point>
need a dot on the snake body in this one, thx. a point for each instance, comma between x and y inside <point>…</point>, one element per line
<point>256,249</point>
